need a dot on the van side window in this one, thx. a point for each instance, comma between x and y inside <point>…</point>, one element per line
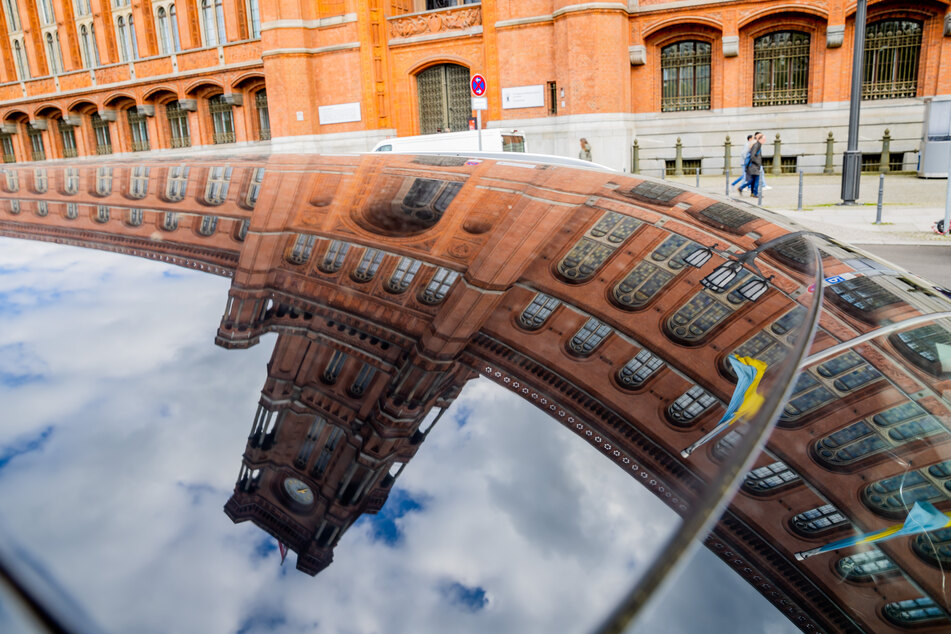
<point>385,148</point>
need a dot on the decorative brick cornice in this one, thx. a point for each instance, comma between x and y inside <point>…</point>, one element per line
<point>435,22</point>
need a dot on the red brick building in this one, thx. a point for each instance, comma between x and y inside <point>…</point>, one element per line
<point>89,77</point>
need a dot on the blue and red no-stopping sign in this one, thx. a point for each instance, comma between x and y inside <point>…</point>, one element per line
<point>478,85</point>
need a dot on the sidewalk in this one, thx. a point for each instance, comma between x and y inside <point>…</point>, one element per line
<point>911,205</point>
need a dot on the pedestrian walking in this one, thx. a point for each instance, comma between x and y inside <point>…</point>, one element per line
<point>746,159</point>
<point>585,153</point>
<point>755,164</point>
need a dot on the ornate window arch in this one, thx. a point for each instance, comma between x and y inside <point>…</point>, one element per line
<point>302,248</point>
<point>596,246</point>
<point>818,520</point>
<point>538,311</point>
<point>689,405</point>
<point>914,611</point>
<point>403,275</point>
<point>334,257</point>
<point>865,565</point>
<point>589,337</point>
<point>438,286</point>
<point>208,225</point>
<point>640,368</point>
<point>896,495</point>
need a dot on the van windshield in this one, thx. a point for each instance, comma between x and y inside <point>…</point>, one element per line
<point>513,143</point>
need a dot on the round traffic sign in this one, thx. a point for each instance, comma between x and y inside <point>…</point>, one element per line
<point>478,85</point>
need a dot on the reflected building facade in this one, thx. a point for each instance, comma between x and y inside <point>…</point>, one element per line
<point>391,281</point>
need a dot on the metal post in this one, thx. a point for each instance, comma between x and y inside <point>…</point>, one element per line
<point>697,171</point>
<point>852,160</point>
<point>726,189</point>
<point>777,156</point>
<point>635,158</point>
<point>759,185</point>
<point>479,126</point>
<point>883,162</point>
<point>663,170</point>
<point>881,196</point>
<point>679,158</point>
<point>799,206</point>
<point>727,147</point>
<point>947,198</point>
<point>830,144</point>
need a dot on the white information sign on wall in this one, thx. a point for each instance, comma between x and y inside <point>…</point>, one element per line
<point>339,113</point>
<point>523,97</point>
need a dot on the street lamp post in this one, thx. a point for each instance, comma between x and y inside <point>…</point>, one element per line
<point>852,159</point>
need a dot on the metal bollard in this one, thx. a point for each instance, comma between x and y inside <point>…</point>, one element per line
<point>663,171</point>
<point>726,189</point>
<point>799,206</point>
<point>830,142</point>
<point>635,158</point>
<point>881,196</point>
<point>759,185</point>
<point>697,172</point>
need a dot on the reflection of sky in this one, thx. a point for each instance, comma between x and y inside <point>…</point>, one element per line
<point>122,433</point>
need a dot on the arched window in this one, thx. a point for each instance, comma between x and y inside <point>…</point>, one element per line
<point>685,76</point>
<point>42,208</point>
<point>104,181</point>
<point>403,275</point>
<point>87,51</point>
<point>914,611</point>
<point>934,547</point>
<point>368,265</point>
<point>333,259</point>
<point>589,337</point>
<point>428,199</point>
<point>14,206</point>
<point>102,213</point>
<point>649,277</point>
<point>216,188</point>
<point>443,93</point>
<point>327,453</point>
<point>334,366</point>
<point>818,520</point>
<point>781,69</point>
<point>892,50</point>
<point>176,183</point>
<point>438,286</point>
<point>48,16</point>
<point>6,147</point>
<point>95,47</point>
<point>139,130</point>
<point>170,221</point>
<point>222,120</point>
<point>537,312</point>
<point>689,405</point>
<point>139,182</point>
<point>920,347</point>
<point>208,225</point>
<point>220,22</point>
<point>103,139</point>
<point>303,247</point>
<point>72,211</point>
<point>865,565</point>
<point>164,32</point>
<point>23,69</point>
<point>362,382</point>
<point>71,180</point>
<point>254,187</point>
<point>178,125</point>
<point>133,43</point>
<point>36,143</point>
<point>596,246</point>
<point>122,38</point>
<point>819,386</point>
<point>886,430</point>
<point>13,16</point>
<point>84,7</point>
<point>173,18</point>
<point>313,434</point>
<point>135,217</point>
<point>706,310</point>
<point>264,120</point>
<point>255,19</point>
<point>53,59</point>
<point>213,21</point>
<point>242,231</point>
<point>770,478</point>
<point>898,494</point>
<point>40,180</point>
<point>12,178</point>
<point>639,369</point>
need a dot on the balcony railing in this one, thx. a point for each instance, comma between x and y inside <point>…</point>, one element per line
<point>9,158</point>
<point>104,149</point>
<point>224,137</point>
<point>140,146</point>
<point>39,155</point>
<point>181,141</point>
<point>70,152</point>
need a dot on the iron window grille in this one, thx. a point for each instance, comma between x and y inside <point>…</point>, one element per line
<point>68,138</point>
<point>892,51</point>
<point>6,144</point>
<point>140,131</point>
<point>178,125</point>
<point>103,139</point>
<point>36,143</point>
<point>264,120</point>
<point>781,69</point>
<point>685,76</point>
<point>222,120</point>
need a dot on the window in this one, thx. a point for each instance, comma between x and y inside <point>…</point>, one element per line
<point>6,145</point>
<point>68,139</point>
<point>892,49</point>
<point>42,208</point>
<point>264,121</point>
<point>912,611</point>
<point>689,405</point>
<point>920,346</point>
<point>254,14</point>
<point>101,129</point>
<point>71,180</point>
<point>139,182</point>
<point>36,143</point>
<point>438,286</point>
<point>47,12</point>
<point>122,38</point>
<point>13,15</point>
<point>83,7</point>
<point>173,19</point>
<point>40,181</point>
<point>552,99</point>
<point>864,565</point>
<point>334,366</point>
<point>324,459</point>
<point>313,433</point>
<point>685,75</point>
<point>135,217</point>
<point>102,213</point>
<point>844,373</point>
<point>589,337</point>
<point>303,247</point>
<point>54,59</point>
<point>14,206</point>
<point>177,183</point>
<point>781,69</point>
<point>818,520</point>
<point>133,43</point>
<point>13,180</point>
<point>428,199</point>
<point>104,181</point>
<point>443,97</point>
<point>164,31</point>
<point>216,188</point>
<point>647,279</point>
<point>705,310</point>
<point>899,493</point>
<point>538,311</point>
<point>178,125</point>
<point>934,547</point>
<point>221,119</point>
<point>862,296</point>
<point>639,369</point>
<point>769,478</point>
<point>213,22</point>
<point>23,68</point>
<point>254,188</point>
<point>598,243</point>
<point>170,221</point>
<point>334,257</point>
<point>362,382</point>
<point>403,275</point>
<point>90,50</point>
<point>242,231</point>
<point>886,430</point>
<point>368,265</point>
<point>139,129</point>
<point>208,225</point>
<point>72,211</point>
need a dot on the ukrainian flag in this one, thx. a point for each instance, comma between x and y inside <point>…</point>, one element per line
<point>922,518</point>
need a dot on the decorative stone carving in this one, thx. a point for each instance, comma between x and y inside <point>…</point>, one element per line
<point>731,45</point>
<point>147,110</point>
<point>835,34</point>
<point>39,123</point>
<point>8,128</point>
<point>436,22</point>
<point>107,115</point>
<point>233,98</point>
<point>72,119</point>
<point>190,105</point>
<point>638,54</point>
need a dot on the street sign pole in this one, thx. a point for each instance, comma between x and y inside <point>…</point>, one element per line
<point>479,126</point>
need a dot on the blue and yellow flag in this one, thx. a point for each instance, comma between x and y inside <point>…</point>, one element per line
<point>745,402</point>
<point>922,518</point>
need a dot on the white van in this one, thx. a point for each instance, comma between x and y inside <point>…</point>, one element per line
<point>494,140</point>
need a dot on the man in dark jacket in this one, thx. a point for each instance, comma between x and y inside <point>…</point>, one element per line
<point>755,166</point>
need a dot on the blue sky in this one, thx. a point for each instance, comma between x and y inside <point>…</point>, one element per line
<point>122,437</point>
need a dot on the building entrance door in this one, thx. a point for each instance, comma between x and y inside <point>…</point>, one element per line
<point>444,104</point>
